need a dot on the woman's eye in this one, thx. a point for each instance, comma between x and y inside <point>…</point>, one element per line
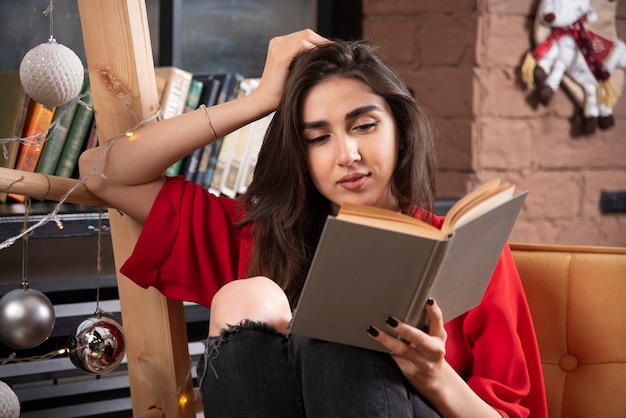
<point>366,127</point>
<point>317,139</point>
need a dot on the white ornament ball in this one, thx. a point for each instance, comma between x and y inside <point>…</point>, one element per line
<point>52,74</point>
<point>9,403</point>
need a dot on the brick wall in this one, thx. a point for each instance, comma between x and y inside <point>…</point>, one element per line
<point>462,58</point>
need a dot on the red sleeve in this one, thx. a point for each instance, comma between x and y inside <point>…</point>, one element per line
<point>190,244</point>
<point>494,347</point>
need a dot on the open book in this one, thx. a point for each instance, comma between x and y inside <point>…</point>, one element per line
<point>372,263</point>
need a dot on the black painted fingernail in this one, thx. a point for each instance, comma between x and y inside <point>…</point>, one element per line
<point>372,331</point>
<point>391,321</point>
<point>430,301</point>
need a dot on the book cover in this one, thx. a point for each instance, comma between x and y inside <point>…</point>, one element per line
<point>252,152</point>
<point>176,89</point>
<point>13,110</point>
<point>192,103</point>
<point>76,137</point>
<point>38,120</point>
<point>231,158</point>
<point>228,90</point>
<point>194,161</point>
<point>54,144</point>
<point>362,273</point>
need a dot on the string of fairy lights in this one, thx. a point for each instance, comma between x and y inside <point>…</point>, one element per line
<point>96,345</point>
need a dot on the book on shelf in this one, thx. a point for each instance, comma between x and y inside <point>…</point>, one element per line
<point>176,89</point>
<point>13,110</point>
<point>373,263</point>
<point>76,137</point>
<point>192,102</point>
<point>259,127</point>
<point>91,140</point>
<point>233,151</point>
<point>56,141</point>
<point>229,86</point>
<point>199,158</point>
<point>36,125</point>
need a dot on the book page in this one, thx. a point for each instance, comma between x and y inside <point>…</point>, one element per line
<point>386,219</point>
<point>473,200</point>
<point>484,206</point>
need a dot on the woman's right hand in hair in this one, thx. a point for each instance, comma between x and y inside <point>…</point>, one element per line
<point>280,52</point>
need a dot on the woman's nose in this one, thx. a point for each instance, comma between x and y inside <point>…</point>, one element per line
<point>348,150</point>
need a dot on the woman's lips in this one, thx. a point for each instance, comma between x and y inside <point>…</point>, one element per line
<point>353,181</point>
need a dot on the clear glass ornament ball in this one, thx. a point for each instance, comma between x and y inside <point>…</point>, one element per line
<point>97,345</point>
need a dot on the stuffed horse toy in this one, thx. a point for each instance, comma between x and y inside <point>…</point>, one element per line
<point>572,50</point>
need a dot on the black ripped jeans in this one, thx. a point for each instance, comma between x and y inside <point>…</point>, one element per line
<point>253,371</point>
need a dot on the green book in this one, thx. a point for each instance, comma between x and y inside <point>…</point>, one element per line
<point>76,137</point>
<point>53,146</point>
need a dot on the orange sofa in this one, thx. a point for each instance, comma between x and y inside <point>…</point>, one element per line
<point>577,298</point>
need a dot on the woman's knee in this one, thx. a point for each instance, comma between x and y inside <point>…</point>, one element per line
<point>258,299</point>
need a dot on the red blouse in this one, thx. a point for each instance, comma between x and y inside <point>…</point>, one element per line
<point>191,233</point>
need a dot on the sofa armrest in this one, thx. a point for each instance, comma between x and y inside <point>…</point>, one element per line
<point>577,298</point>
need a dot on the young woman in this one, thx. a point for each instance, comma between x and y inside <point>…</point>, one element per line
<point>346,129</point>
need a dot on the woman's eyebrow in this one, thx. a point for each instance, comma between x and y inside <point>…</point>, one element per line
<point>360,110</point>
<point>350,115</point>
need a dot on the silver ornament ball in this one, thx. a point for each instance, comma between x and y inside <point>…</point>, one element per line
<point>97,345</point>
<point>26,318</point>
<point>52,74</point>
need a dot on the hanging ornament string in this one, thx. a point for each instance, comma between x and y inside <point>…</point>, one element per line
<point>27,316</point>
<point>99,311</point>
<point>40,137</point>
<point>49,12</point>
<point>27,207</point>
<point>52,216</point>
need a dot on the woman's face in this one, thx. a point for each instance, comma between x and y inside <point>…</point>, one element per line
<point>352,143</point>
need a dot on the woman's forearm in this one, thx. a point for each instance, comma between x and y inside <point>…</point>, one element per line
<point>146,154</point>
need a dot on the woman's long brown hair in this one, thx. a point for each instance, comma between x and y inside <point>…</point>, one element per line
<point>287,212</point>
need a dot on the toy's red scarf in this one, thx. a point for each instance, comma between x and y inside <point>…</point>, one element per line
<point>593,47</point>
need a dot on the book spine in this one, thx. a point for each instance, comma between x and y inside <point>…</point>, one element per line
<point>200,157</point>
<point>75,139</point>
<point>192,103</point>
<point>228,90</point>
<point>54,145</point>
<point>176,91</point>
<point>15,127</point>
<point>38,123</point>
<point>233,162</point>
<point>252,152</point>
<point>416,315</point>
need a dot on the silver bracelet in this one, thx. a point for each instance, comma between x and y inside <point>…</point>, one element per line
<point>208,119</point>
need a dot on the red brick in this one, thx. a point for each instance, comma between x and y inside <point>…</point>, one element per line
<point>556,194</point>
<point>452,184</point>
<point>556,149</point>
<point>447,39</point>
<point>447,92</point>
<point>386,7</point>
<point>504,144</point>
<point>454,146</point>
<point>396,37</point>
<point>597,182</point>
<point>505,40</point>
<point>508,7</point>
<point>502,95</point>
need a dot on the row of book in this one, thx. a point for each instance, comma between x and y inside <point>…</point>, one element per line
<point>224,166</point>
<point>54,137</point>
